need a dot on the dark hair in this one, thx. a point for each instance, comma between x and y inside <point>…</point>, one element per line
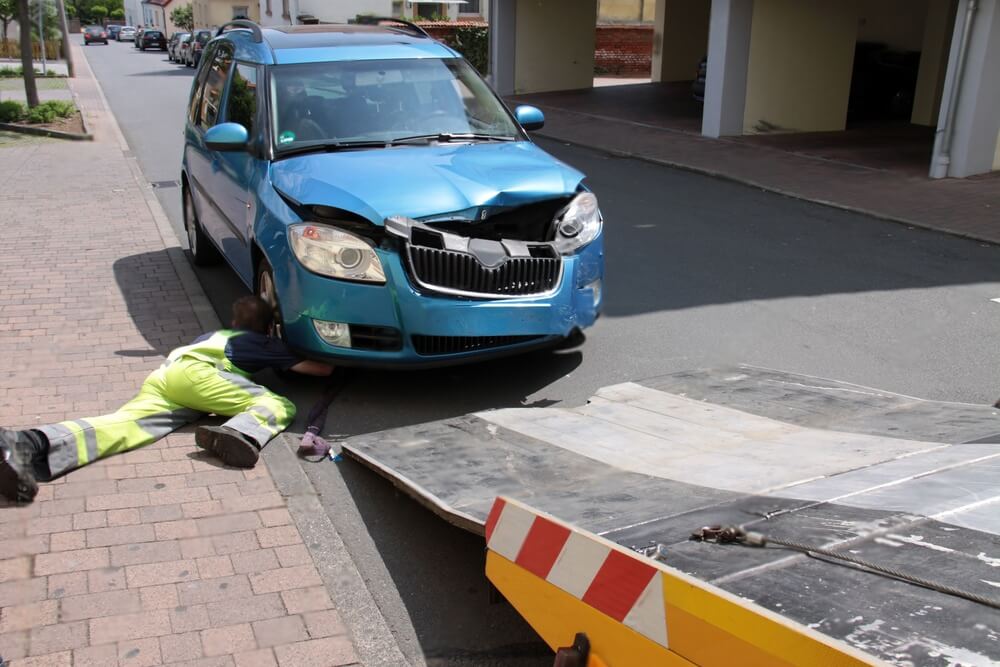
<point>253,313</point>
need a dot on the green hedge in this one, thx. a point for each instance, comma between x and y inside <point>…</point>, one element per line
<point>13,111</point>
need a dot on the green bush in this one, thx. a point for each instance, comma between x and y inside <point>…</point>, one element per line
<point>46,112</point>
<point>11,111</point>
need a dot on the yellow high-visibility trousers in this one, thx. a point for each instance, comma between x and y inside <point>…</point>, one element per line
<point>173,395</point>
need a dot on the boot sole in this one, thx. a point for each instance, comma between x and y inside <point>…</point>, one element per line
<point>15,487</point>
<point>228,448</point>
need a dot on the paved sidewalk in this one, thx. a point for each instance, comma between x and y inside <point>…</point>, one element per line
<point>967,207</point>
<point>160,555</point>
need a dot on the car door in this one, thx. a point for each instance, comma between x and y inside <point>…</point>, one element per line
<point>236,169</point>
<point>204,165</point>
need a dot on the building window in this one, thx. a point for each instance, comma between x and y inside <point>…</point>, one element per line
<point>241,12</point>
<point>397,8</point>
<point>470,7</point>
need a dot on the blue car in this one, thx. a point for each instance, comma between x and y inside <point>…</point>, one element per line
<point>370,185</point>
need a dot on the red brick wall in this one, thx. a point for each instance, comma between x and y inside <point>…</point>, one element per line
<point>624,50</point>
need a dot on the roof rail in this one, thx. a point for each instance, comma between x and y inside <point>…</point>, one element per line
<point>243,24</point>
<point>378,20</point>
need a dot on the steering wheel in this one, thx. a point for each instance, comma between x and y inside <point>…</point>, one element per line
<point>310,130</point>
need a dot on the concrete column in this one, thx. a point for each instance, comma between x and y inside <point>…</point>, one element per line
<point>933,61</point>
<point>969,145</point>
<point>799,70</point>
<point>728,55</point>
<point>503,24</point>
<point>555,45</point>
<point>680,38</point>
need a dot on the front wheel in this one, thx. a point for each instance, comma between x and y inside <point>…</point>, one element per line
<point>267,291</point>
<point>202,250</point>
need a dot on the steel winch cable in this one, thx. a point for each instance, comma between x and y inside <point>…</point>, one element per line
<point>737,535</point>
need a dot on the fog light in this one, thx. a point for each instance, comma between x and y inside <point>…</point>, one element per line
<point>334,333</point>
<point>595,287</point>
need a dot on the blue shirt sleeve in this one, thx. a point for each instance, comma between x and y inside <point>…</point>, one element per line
<point>251,352</point>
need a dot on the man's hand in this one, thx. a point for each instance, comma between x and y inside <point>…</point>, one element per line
<point>317,368</point>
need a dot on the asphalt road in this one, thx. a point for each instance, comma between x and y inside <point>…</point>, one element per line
<point>700,272</point>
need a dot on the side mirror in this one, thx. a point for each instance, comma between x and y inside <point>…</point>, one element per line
<point>227,137</point>
<point>530,118</point>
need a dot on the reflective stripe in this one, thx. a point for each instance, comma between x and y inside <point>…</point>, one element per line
<point>267,414</point>
<point>164,423</point>
<point>63,453</point>
<point>250,427</point>
<point>249,386</point>
<point>90,438</point>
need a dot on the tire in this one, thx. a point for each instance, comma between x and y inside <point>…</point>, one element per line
<point>266,290</point>
<point>203,252</point>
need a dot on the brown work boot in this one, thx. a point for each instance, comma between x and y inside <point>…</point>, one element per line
<point>229,445</point>
<point>17,475</point>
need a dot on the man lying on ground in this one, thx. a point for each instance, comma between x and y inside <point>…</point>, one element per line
<point>212,375</point>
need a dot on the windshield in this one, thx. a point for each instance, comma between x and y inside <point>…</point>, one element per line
<point>382,101</point>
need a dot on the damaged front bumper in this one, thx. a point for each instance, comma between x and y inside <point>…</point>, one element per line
<point>448,298</point>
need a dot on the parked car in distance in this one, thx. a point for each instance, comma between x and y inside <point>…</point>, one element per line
<point>184,50</point>
<point>199,38</point>
<point>152,39</point>
<point>126,34</point>
<point>113,31</point>
<point>367,183</point>
<point>174,44</point>
<point>94,33</point>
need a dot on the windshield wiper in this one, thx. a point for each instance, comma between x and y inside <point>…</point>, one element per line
<point>329,147</point>
<point>445,137</point>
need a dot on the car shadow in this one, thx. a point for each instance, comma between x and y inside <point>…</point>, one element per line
<point>177,71</point>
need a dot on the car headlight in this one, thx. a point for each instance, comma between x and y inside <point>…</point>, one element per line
<point>335,253</point>
<point>578,224</point>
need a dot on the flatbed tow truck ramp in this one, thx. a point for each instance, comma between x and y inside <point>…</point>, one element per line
<point>733,516</point>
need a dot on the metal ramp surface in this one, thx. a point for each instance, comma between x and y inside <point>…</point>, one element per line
<point>910,484</point>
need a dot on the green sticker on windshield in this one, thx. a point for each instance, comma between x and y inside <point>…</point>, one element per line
<point>286,137</point>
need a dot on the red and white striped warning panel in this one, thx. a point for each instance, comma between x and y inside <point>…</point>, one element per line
<point>622,587</point>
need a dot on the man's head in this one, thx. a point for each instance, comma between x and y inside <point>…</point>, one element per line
<point>252,313</point>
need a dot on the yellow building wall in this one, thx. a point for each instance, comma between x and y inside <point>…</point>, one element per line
<point>933,61</point>
<point>799,71</point>
<point>621,11</point>
<point>171,28</point>
<point>680,39</point>
<point>213,13</point>
<point>555,45</point>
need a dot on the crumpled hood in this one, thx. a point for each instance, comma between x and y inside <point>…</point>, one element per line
<point>423,181</point>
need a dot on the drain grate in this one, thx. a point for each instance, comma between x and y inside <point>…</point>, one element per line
<point>165,184</point>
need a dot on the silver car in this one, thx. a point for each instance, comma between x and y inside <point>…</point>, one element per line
<point>126,34</point>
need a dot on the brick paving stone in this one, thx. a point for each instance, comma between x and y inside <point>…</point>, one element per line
<point>86,520</point>
<point>127,517</point>
<point>159,597</point>
<point>246,610</point>
<point>218,661</point>
<point>185,618</point>
<point>174,530</point>
<point>254,561</point>
<point>279,536</point>
<point>139,653</point>
<point>214,566</point>
<point>277,631</point>
<point>275,517</point>
<point>324,624</point>
<point>71,561</point>
<point>293,555</point>
<point>15,569</point>
<point>328,652</point>
<point>96,656</point>
<point>106,537</point>
<point>153,574</point>
<point>228,640</point>
<point>235,542</point>
<point>24,617</point>
<point>14,645</point>
<point>96,605</point>
<point>197,547</point>
<point>260,658</point>
<point>55,638</point>
<point>63,659</point>
<point>150,552</point>
<point>302,600</point>
<point>106,579</point>
<point>286,578</point>
<point>213,590</point>
<point>64,585</point>
<point>186,646</point>
<point>70,541</point>
<point>125,627</point>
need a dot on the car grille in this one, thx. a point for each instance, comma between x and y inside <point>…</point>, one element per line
<point>436,345</point>
<point>458,272</point>
<point>380,339</point>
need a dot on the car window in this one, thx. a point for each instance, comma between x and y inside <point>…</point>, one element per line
<point>215,82</point>
<point>383,100</point>
<point>199,87</point>
<point>241,102</point>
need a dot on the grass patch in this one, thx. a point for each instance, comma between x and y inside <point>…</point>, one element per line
<point>8,72</point>
<point>13,111</point>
